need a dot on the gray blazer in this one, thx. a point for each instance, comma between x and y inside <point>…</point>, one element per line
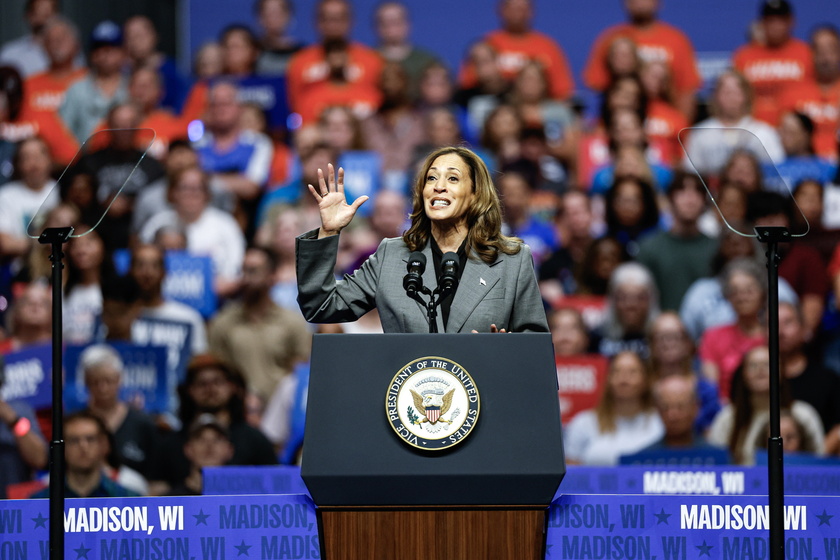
<point>503,293</point>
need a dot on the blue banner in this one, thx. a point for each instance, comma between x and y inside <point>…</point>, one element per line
<point>144,383</point>
<point>269,94</point>
<point>719,480</point>
<point>689,527</point>
<point>182,528</point>
<point>282,479</point>
<point>189,280</point>
<point>29,376</point>
<point>580,527</point>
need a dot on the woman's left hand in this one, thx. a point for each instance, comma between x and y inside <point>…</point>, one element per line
<point>493,329</point>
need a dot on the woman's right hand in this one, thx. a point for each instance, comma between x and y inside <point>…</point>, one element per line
<point>335,212</point>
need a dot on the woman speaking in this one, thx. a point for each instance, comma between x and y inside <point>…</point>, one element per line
<point>455,210</point>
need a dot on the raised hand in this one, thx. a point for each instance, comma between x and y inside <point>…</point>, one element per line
<point>335,212</point>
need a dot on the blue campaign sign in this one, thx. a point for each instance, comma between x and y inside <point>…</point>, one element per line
<point>189,280</point>
<point>175,336</point>
<point>143,382</point>
<point>179,528</point>
<point>718,480</point>
<point>28,376</point>
<point>273,479</point>
<point>269,94</point>
<point>580,527</point>
<point>689,527</point>
<point>362,172</point>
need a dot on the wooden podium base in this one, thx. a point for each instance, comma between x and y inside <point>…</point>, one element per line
<point>432,532</point>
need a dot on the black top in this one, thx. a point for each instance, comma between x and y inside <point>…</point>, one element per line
<point>437,259</point>
<point>819,387</point>
<point>250,447</point>
<point>136,442</point>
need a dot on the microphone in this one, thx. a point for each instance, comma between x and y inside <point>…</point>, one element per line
<point>448,281</point>
<point>413,281</point>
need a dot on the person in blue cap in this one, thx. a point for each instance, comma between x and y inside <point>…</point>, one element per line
<point>88,101</point>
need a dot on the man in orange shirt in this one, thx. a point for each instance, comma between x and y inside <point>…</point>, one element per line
<point>516,43</point>
<point>820,98</point>
<point>309,66</point>
<point>777,63</point>
<point>656,41</point>
<point>44,92</point>
<point>362,99</point>
<point>18,123</point>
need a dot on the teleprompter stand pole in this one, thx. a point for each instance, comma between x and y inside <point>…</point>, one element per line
<point>56,237</point>
<point>772,236</point>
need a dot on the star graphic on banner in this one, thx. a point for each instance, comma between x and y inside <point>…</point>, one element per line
<point>40,521</point>
<point>757,483</point>
<point>662,517</point>
<point>201,517</point>
<point>81,552</point>
<point>631,483</point>
<point>825,518</point>
<point>548,549</point>
<point>242,549</point>
<point>704,548</point>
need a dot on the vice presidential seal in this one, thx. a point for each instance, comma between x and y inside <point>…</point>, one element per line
<point>432,403</point>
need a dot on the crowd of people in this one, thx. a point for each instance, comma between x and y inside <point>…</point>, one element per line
<point>633,260</point>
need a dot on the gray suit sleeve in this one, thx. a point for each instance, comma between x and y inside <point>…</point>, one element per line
<point>322,299</point>
<point>528,312</point>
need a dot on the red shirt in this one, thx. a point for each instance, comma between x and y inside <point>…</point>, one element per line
<point>309,67</point>
<point>834,266</point>
<point>803,268</point>
<point>49,126</point>
<point>593,153</point>
<point>362,99</point>
<point>725,347</point>
<point>822,104</point>
<point>7,346</point>
<point>45,92</point>
<point>656,42</point>
<point>662,125</point>
<point>515,50</point>
<point>166,127</point>
<point>196,102</point>
<point>771,71</point>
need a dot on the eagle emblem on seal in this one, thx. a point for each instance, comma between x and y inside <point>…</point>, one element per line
<point>432,403</point>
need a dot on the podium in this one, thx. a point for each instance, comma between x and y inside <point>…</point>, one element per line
<point>382,496</point>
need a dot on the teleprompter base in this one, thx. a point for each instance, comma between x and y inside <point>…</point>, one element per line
<point>432,533</point>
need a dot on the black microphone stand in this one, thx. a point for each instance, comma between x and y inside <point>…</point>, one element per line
<point>56,237</point>
<point>773,235</point>
<point>431,306</point>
